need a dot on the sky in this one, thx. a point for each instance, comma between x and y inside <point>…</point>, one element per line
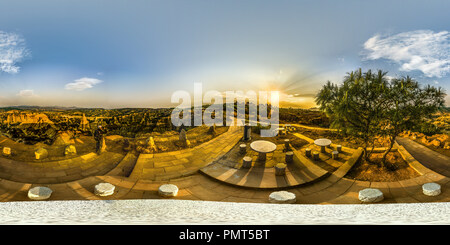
<point>137,53</point>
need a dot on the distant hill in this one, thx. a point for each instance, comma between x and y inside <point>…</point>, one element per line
<point>30,107</point>
<point>51,108</point>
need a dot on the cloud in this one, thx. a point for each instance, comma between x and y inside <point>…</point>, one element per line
<point>82,84</point>
<point>301,95</point>
<point>423,50</point>
<point>26,93</point>
<point>12,51</point>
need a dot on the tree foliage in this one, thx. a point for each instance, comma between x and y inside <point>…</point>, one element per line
<point>408,106</point>
<point>369,105</point>
<point>355,107</point>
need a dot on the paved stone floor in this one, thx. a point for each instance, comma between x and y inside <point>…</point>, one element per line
<point>139,176</point>
<point>429,158</point>
<point>169,165</point>
<point>50,172</point>
<point>262,175</point>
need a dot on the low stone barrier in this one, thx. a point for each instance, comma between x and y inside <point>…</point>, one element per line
<point>39,193</point>
<point>104,189</point>
<point>281,197</point>
<point>412,162</point>
<point>344,168</point>
<point>168,190</point>
<point>370,195</point>
<point>431,189</point>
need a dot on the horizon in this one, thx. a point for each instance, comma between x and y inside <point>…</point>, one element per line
<point>116,54</point>
<point>118,108</point>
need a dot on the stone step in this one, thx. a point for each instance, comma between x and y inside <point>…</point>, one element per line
<point>125,166</point>
<point>296,174</point>
<point>168,165</point>
<point>69,170</point>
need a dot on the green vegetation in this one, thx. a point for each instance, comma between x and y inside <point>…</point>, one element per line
<point>369,105</point>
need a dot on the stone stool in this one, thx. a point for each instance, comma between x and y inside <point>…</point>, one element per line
<point>315,155</point>
<point>335,155</point>
<point>39,193</point>
<point>431,189</point>
<point>339,148</point>
<point>280,169</point>
<point>282,197</point>
<point>286,144</point>
<point>289,157</point>
<point>168,190</point>
<point>242,148</point>
<point>308,152</point>
<point>247,162</point>
<point>104,189</point>
<point>70,150</point>
<point>6,151</point>
<point>41,153</point>
<point>369,195</point>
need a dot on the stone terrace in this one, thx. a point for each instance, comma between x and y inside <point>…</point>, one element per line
<point>169,165</point>
<point>59,171</point>
<point>327,186</point>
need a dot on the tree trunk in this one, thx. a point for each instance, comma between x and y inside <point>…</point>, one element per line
<point>371,150</point>
<point>366,144</point>
<point>391,144</point>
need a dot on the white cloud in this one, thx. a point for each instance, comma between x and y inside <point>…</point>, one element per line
<point>82,84</point>
<point>26,93</point>
<point>12,51</point>
<point>423,50</point>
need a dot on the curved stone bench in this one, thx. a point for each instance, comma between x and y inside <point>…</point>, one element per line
<point>282,197</point>
<point>370,195</point>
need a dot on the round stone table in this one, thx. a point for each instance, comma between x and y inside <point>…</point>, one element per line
<point>263,147</point>
<point>322,143</point>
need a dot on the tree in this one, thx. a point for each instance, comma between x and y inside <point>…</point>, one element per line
<point>356,106</point>
<point>368,105</point>
<point>408,107</point>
